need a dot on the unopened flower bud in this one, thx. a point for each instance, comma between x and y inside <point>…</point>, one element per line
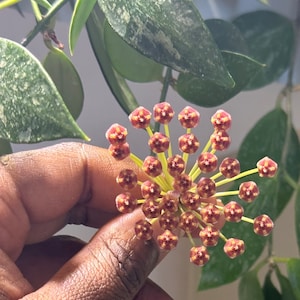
<point>263,225</point>
<point>267,167</point>
<point>163,112</point>
<point>167,240</point>
<point>140,117</point>
<point>116,134</point>
<point>248,191</point>
<point>199,255</point>
<point>230,167</point>
<point>119,152</point>
<point>189,117</point>
<point>220,140</point>
<point>207,162</point>
<point>176,165</point>
<point>188,143</point>
<point>159,142</point>
<point>234,247</point>
<point>221,120</point>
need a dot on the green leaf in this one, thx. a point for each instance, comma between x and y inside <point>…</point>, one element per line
<point>267,138</point>
<point>242,68</point>
<point>227,36</point>
<point>172,32</point>
<point>31,109</point>
<point>80,15</point>
<point>269,290</point>
<point>270,39</point>
<point>127,61</point>
<point>293,270</point>
<point>285,286</point>
<point>249,287</point>
<point>208,94</point>
<point>116,83</point>
<point>66,79</point>
<point>5,147</point>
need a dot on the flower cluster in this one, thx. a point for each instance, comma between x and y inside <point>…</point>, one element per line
<point>177,198</point>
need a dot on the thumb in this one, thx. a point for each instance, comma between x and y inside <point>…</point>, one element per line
<point>113,265</point>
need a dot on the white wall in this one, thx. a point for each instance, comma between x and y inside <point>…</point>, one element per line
<point>175,274</point>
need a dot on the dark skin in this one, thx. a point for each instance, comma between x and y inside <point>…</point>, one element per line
<point>41,192</point>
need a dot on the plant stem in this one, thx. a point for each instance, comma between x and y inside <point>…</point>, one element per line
<point>166,85</point>
<point>278,259</point>
<point>39,26</point>
<point>164,91</point>
<point>36,11</point>
<point>8,3</point>
<point>290,181</point>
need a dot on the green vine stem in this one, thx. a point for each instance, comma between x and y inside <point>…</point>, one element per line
<point>7,3</point>
<point>291,181</point>
<point>40,25</point>
<point>164,92</point>
<point>271,261</point>
<point>166,84</point>
<point>36,11</point>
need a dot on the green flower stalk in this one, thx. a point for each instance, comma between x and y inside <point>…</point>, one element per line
<point>189,200</point>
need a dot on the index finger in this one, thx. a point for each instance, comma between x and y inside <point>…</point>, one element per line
<point>42,186</point>
<point>51,180</point>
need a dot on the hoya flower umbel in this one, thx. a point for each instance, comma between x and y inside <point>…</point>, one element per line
<point>180,198</point>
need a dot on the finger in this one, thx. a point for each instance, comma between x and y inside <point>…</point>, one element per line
<point>42,189</point>
<point>12,284</point>
<point>150,291</point>
<point>114,265</point>
<point>53,179</point>
<point>39,262</point>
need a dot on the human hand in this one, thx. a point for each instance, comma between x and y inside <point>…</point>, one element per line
<point>43,190</point>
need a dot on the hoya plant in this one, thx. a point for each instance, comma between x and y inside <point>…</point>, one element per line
<point>206,62</point>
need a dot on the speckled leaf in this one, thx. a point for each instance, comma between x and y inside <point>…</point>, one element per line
<point>206,93</point>
<point>81,12</point>
<point>127,61</point>
<point>266,138</point>
<point>249,287</point>
<point>242,68</point>
<point>172,32</point>
<point>31,109</point>
<point>66,80</point>
<point>270,39</point>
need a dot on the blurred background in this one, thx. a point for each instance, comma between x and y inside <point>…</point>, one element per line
<point>175,274</point>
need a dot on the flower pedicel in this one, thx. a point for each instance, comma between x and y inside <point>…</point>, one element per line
<point>177,198</point>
